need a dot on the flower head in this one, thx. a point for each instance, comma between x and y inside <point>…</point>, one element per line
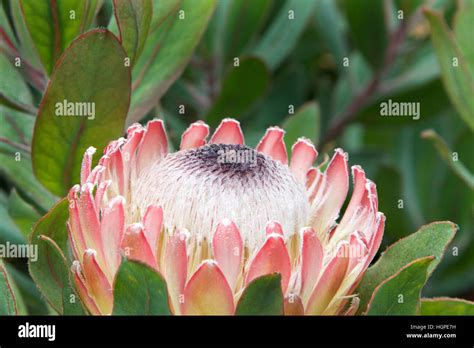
<point>213,217</point>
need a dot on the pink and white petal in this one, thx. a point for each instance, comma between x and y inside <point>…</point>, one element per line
<point>153,222</point>
<point>274,227</point>
<point>272,257</point>
<point>82,290</point>
<point>353,307</point>
<point>76,234</point>
<point>329,282</point>
<point>227,247</point>
<point>89,221</point>
<point>194,136</point>
<point>115,166</point>
<point>357,251</point>
<point>311,261</point>
<point>175,267</point>
<point>303,155</point>
<point>272,144</point>
<point>154,145</point>
<point>133,128</point>
<point>337,185</point>
<point>86,164</point>
<point>228,132</point>
<point>100,192</point>
<point>359,180</point>
<point>316,190</point>
<point>135,245</point>
<point>376,238</point>
<point>129,149</point>
<point>207,292</point>
<point>293,305</point>
<point>96,282</point>
<point>311,176</point>
<point>112,230</point>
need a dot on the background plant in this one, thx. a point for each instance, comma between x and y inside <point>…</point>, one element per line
<point>318,68</point>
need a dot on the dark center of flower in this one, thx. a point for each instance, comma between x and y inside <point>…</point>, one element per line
<point>231,161</point>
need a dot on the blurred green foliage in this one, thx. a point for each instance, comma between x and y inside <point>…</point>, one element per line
<point>318,68</point>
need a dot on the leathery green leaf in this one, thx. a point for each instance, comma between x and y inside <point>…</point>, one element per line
<point>280,38</point>
<point>367,27</point>
<point>262,296</point>
<point>50,270</point>
<point>133,18</point>
<point>54,24</point>
<point>8,304</point>
<point>168,49</point>
<point>85,105</point>
<point>139,290</point>
<point>400,293</point>
<point>446,306</point>
<point>429,240</point>
<point>457,76</point>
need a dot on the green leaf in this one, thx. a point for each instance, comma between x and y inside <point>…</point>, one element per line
<point>458,79</point>
<point>463,31</point>
<point>50,271</point>
<point>447,155</point>
<point>53,25</point>
<point>331,26</point>
<point>12,85</point>
<point>446,306</point>
<point>400,293</point>
<point>139,290</point>
<point>91,71</point>
<point>236,37</point>
<point>9,231</point>
<point>133,18</point>
<point>368,29</point>
<point>33,302</point>
<point>17,169</point>
<point>304,123</point>
<point>7,297</point>
<point>14,95</point>
<point>241,88</point>
<point>282,35</point>
<point>262,296</point>
<point>168,49</point>
<point>27,46</point>
<point>22,213</point>
<point>429,240</point>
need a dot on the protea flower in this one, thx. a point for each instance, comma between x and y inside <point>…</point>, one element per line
<point>214,216</point>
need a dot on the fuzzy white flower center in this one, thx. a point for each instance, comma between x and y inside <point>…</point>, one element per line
<point>200,187</point>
